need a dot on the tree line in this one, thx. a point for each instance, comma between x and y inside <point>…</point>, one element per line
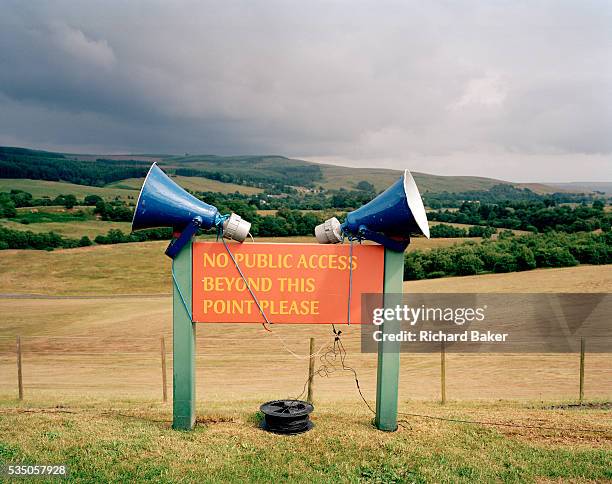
<point>37,165</point>
<point>448,231</point>
<point>11,201</point>
<point>510,253</point>
<point>502,191</point>
<point>530,216</point>
<point>303,176</point>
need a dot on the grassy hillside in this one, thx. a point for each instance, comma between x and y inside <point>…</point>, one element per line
<point>255,170</point>
<point>44,188</point>
<point>336,177</point>
<point>587,187</point>
<point>190,183</point>
<point>331,176</point>
<point>75,230</point>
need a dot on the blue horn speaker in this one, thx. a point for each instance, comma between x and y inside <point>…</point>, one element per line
<point>162,203</point>
<point>389,219</point>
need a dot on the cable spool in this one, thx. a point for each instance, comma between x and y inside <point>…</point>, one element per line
<point>287,416</point>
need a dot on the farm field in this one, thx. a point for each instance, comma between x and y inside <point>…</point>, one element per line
<point>84,346</point>
<point>44,188</point>
<point>93,401</point>
<point>92,385</point>
<point>71,343</point>
<point>75,230</point>
<point>583,278</point>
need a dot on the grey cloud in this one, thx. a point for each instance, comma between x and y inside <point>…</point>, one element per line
<point>438,87</point>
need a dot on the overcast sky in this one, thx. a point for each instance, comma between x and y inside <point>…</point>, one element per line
<point>518,90</point>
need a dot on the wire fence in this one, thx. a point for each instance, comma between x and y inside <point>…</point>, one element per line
<point>134,367</point>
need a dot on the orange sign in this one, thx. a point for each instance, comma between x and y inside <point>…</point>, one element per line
<point>295,283</point>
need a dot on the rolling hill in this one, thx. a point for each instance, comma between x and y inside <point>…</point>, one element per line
<point>242,173</point>
<point>208,172</point>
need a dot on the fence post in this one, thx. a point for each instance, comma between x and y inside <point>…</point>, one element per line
<point>19,373</point>
<point>443,371</point>
<point>163,368</point>
<point>311,362</point>
<point>582,345</point>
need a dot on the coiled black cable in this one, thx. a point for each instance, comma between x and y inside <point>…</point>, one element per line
<point>287,416</point>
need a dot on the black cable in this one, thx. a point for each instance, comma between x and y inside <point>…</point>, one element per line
<point>329,359</point>
<point>287,416</point>
<point>337,350</point>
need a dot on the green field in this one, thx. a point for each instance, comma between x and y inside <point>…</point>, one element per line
<point>43,188</point>
<point>74,230</point>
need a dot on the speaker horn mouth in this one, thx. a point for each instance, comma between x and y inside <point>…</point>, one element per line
<point>415,203</point>
<point>140,194</point>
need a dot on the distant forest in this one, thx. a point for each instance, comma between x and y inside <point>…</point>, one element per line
<point>41,165</point>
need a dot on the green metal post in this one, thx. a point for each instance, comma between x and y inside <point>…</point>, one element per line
<point>387,378</point>
<point>183,345</point>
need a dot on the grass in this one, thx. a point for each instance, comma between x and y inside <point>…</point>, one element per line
<point>127,189</point>
<point>34,216</point>
<point>91,228</point>
<point>191,183</point>
<point>73,223</point>
<point>336,177</point>
<point>43,188</point>
<point>131,441</point>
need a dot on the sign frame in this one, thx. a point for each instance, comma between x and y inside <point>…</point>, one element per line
<point>184,339</point>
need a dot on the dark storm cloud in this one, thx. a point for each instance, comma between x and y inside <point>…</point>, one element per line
<point>517,90</point>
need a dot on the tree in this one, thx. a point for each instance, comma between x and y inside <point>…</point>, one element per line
<point>525,259</point>
<point>7,206</point>
<point>365,186</point>
<point>468,264</point>
<point>413,269</point>
<point>85,241</point>
<point>505,263</point>
<point>92,200</point>
<point>444,230</point>
<point>69,201</point>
